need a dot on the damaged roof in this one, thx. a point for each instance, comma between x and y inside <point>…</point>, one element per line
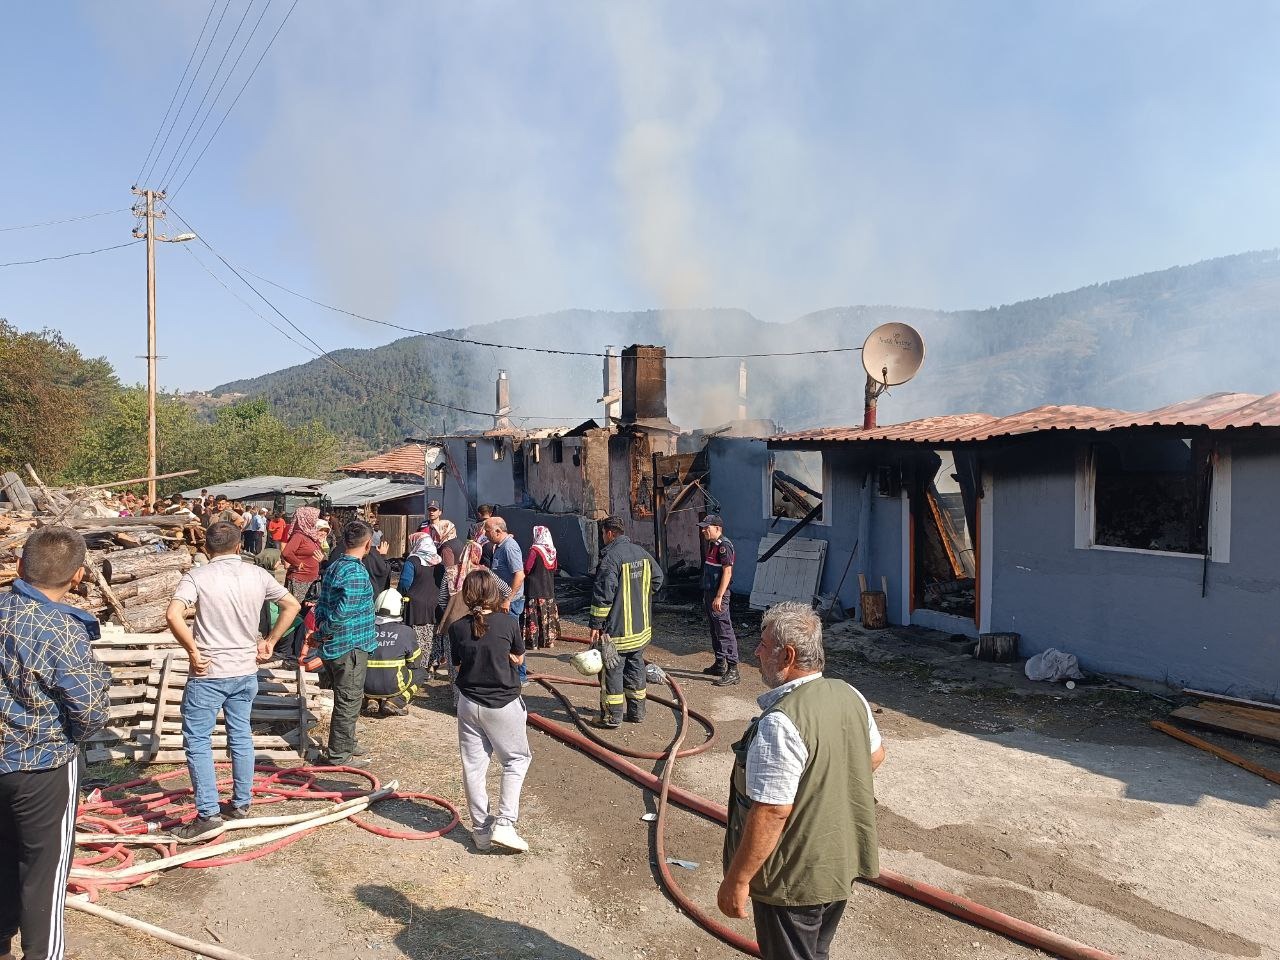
<point>1217,411</point>
<point>407,459</point>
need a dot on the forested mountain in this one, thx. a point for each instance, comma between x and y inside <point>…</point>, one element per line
<point>1135,343</point>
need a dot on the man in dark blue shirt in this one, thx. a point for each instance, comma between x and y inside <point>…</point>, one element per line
<point>717,574</point>
<point>53,696</point>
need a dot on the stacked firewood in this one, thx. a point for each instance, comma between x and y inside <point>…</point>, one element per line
<point>134,563</point>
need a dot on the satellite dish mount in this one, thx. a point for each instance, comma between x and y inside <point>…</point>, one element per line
<point>892,354</point>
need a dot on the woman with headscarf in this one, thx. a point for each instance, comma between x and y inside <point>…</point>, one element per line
<point>540,621</point>
<point>420,587</point>
<point>303,552</point>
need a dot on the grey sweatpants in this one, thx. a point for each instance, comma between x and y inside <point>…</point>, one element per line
<point>501,733</point>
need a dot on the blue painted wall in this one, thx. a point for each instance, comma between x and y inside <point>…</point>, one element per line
<point>1132,613</point>
<point>737,481</point>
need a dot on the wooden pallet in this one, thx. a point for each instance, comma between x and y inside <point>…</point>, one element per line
<point>149,673</point>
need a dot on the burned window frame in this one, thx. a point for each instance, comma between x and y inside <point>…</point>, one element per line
<point>1210,504</point>
<point>942,542</point>
<point>824,518</point>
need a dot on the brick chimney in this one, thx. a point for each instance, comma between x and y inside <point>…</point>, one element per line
<point>644,383</point>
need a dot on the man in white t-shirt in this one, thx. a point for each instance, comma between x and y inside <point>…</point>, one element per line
<point>224,651</point>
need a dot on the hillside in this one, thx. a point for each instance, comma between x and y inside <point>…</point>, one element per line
<point>1134,343</point>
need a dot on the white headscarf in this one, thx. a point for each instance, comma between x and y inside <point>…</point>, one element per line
<point>424,548</point>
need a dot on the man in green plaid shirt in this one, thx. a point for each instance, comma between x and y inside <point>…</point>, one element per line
<point>345,622</point>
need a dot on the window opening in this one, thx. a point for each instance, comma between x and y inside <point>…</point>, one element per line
<point>795,483</point>
<point>557,451</point>
<point>1152,493</point>
<point>944,508</point>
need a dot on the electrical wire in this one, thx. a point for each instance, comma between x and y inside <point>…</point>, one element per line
<point>225,80</point>
<point>164,179</point>
<point>155,162</point>
<point>191,59</point>
<point>320,352</point>
<point>509,346</point>
<point>67,256</point>
<point>52,223</point>
<point>243,87</point>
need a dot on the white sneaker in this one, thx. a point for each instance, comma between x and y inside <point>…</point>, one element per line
<point>483,839</point>
<point>504,835</point>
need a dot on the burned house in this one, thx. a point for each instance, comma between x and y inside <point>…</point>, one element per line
<point>568,479</point>
<point>1143,543</point>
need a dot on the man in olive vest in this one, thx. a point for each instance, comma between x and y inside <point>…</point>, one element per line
<point>802,821</point>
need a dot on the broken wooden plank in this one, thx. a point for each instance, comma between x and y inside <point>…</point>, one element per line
<point>1222,754</point>
<point>166,672</point>
<point>1229,723</point>
<point>1236,710</point>
<point>1260,704</point>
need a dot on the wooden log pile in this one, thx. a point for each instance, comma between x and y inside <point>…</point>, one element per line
<point>148,675</point>
<point>134,563</point>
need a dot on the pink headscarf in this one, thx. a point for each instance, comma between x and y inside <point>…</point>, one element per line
<point>304,522</point>
<point>542,544</point>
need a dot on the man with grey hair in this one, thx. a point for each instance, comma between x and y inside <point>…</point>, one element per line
<point>802,821</point>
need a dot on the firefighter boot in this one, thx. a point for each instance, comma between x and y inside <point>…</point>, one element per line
<point>717,669</point>
<point>610,720</point>
<point>635,711</point>
<point>730,678</point>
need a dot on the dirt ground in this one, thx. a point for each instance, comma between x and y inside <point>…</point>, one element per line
<point>1061,807</point>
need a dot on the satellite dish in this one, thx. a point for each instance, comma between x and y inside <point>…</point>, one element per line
<point>892,353</point>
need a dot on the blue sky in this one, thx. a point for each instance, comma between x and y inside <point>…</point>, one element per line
<point>445,164</point>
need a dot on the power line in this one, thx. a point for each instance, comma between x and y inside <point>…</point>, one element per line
<point>508,346</point>
<point>164,179</point>
<point>243,87</point>
<point>155,162</point>
<point>191,59</point>
<point>51,223</point>
<point>315,348</point>
<point>225,80</point>
<point>66,256</point>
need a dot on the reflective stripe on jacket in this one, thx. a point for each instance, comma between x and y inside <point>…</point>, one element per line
<point>626,580</point>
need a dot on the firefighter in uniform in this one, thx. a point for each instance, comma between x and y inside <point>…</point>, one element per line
<point>626,580</point>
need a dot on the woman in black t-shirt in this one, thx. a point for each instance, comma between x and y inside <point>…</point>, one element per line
<point>486,648</point>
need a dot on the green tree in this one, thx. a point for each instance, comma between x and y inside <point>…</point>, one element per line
<point>244,440</point>
<point>247,439</point>
<point>114,446</point>
<point>49,393</point>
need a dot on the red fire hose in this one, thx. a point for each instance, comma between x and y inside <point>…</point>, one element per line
<point>121,813</point>
<point>935,897</point>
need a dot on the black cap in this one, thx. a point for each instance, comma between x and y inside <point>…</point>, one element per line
<point>433,505</point>
<point>711,520</point>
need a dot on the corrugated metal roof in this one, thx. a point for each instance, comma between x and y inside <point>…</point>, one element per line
<point>361,491</point>
<point>251,487</point>
<point>407,459</point>
<point>1218,411</point>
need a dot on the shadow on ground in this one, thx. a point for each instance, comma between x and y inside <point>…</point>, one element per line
<point>452,933</point>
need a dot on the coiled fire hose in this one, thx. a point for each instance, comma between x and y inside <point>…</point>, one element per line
<point>111,826</point>
<point>612,756</point>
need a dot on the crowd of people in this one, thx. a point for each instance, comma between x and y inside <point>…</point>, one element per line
<point>465,606</point>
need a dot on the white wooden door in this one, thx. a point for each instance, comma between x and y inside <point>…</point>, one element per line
<point>793,573</point>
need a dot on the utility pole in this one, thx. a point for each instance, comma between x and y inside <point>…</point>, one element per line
<point>149,211</point>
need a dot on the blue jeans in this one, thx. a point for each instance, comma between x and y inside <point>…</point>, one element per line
<point>517,608</point>
<point>201,701</point>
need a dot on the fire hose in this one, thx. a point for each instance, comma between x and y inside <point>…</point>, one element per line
<point>111,826</point>
<point>614,757</point>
